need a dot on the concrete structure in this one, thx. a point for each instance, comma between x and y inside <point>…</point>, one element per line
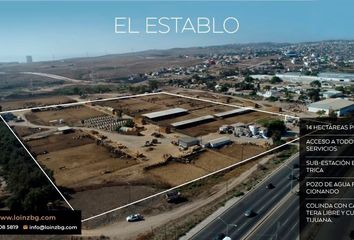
<point>233,112</point>
<point>192,121</point>
<point>165,113</point>
<point>340,106</point>
<point>187,142</point>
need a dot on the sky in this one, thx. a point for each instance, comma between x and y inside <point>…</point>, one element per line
<point>55,30</point>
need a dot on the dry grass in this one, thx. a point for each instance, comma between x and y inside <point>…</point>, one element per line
<point>79,166</point>
<point>34,102</point>
<point>71,116</point>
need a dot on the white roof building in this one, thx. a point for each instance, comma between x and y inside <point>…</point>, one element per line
<point>341,106</point>
<point>233,112</point>
<point>165,113</point>
<point>192,121</point>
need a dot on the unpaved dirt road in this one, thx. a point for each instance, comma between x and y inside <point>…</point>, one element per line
<point>122,230</point>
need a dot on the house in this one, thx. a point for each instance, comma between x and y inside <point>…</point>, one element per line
<point>269,93</point>
<point>332,94</point>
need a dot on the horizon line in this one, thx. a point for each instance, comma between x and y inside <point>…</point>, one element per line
<point>94,55</point>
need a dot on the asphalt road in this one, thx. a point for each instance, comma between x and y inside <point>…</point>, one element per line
<point>261,200</point>
<point>282,223</point>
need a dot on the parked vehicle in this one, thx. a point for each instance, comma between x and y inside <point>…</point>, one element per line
<point>135,218</point>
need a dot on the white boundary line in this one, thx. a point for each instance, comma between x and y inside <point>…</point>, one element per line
<point>148,94</point>
<point>50,180</point>
<point>229,105</point>
<point>79,103</point>
<point>134,96</point>
<point>189,182</point>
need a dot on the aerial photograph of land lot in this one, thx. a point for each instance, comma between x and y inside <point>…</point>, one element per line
<point>133,147</point>
<point>166,120</point>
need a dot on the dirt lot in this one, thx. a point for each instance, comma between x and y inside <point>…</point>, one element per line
<point>240,152</point>
<point>147,104</point>
<point>111,67</point>
<point>216,97</point>
<point>177,173</point>
<point>95,173</point>
<point>134,106</point>
<point>209,161</point>
<point>34,102</point>
<point>77,160</point>
<point>72,116</point>
<point>213,126</point>
<point>59,142</point>
<point>106,198</point>
<point>74,167</point>
<point>26,131</point>
<point>141,105</point>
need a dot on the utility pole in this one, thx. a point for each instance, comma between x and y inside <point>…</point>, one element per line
<point>292,179</point>
<point>227,225</point>
<point>227,190</point>
<point>129,191</point>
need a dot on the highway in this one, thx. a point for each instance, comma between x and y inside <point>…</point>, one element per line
<point>261,200</point>
<point>283,223</point>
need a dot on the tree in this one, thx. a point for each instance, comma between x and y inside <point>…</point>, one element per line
<point>288,95</point>
<point>275,80</point>
<point>153,84</point>
<point>351,89</point>
<point>313,94</point>
<point>210,85</point>
<point>30,189</point>
<point>320,113</point>
<point>315,84</point>
<point>196,77</point>
<point>275,127</point>
<point>272,99</point>
<point>224,88</point>
<point>248,78</point>
<point>76,91</point>
<point>267,87</point>
<point>332,114</point>
<point>129,123</point>
<point>339,88</point>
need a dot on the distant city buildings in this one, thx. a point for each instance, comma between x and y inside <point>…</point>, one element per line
<point>29,59</point>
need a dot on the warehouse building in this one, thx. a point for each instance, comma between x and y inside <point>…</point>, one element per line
<point>186,142</point>
<point>340,106</point>
<point>193,121</point>
<point>219,142</point>
<point>233,112</point>
<point>165,114</point>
